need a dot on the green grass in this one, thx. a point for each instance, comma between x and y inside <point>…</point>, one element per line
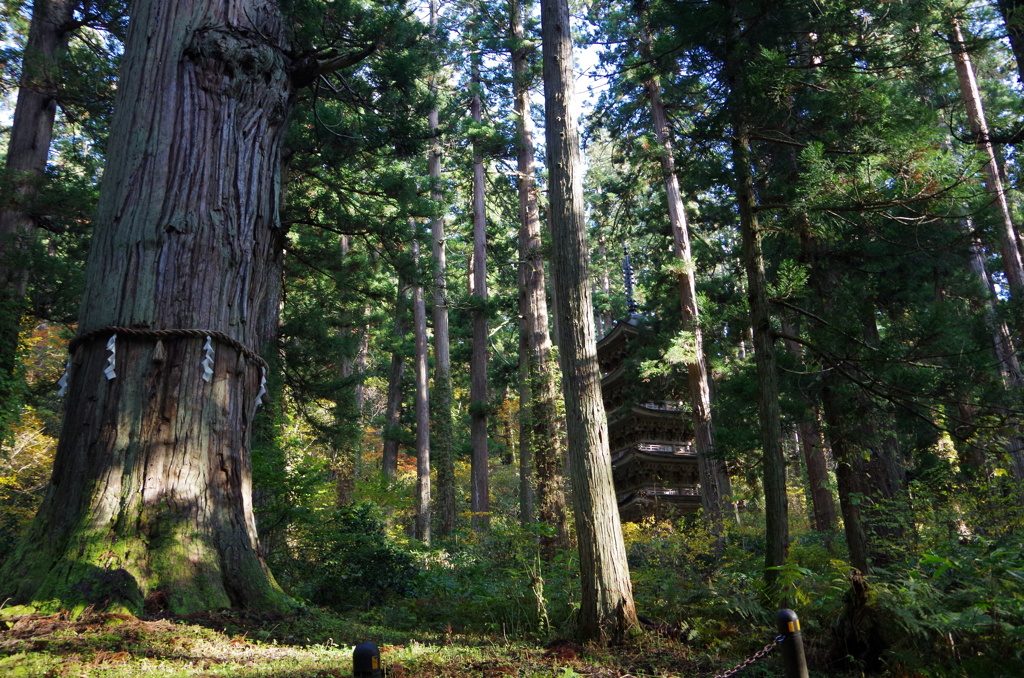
<point>311,645</point>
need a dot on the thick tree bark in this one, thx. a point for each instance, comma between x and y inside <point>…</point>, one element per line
<point>27,151</point>
<point>480,499</point>
<point>443,427</point>
<point>150,498</point>
<point>714,480</point>
<point>419,314</point>
<point>540,428</point>
<point>393,408</point>
<point>607,611</point>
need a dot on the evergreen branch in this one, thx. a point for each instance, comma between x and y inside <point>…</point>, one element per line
<point>818,319</point>
<point>308,67</point>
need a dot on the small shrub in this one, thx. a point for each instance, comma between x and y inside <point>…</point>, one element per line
<point>346,560</point>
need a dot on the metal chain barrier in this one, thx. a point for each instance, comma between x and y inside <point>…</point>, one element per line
<point>756,657</point>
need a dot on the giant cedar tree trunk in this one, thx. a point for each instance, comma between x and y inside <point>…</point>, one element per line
<point>540,435</point>
<point>607,611</point>
<point>150,493</point>
<point>27,150</point>
<point>480,499</point>
<point>442,436</point>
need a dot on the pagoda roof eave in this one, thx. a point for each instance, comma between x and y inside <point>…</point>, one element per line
<point>622,329</point>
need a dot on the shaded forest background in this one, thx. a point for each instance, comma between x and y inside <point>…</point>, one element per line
<point>886,208</point>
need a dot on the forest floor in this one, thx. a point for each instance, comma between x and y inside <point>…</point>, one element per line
<point>315,645</point>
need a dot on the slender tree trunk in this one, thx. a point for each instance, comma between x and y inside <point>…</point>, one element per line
<point>823,507</point>
<point>850,476</point>
<point>540,425</point>
<point>607,611</point>
<point>527,496</point>
<point>359,369</point>
<point>1005,353</point>
<point>419,313</point>
<point>1002,342</point>
<point>393,409</point>
<point>150,497</point>
<point>1009,241</point>
<point>769,413</point>
<point>714,480</point>
<point>480,501</point>
<point>851,463</point>
<point>869,471</point>
<point>506,428</point>
<point>529,215</point>
<point>443,441</point>
<point>886,468</point>
<point>348,409</point>
<point>27,151</point>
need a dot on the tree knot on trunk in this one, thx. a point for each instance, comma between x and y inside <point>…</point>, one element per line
<point>239,63</point>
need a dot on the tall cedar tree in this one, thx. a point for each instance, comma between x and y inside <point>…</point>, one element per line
<point>607,611</point>
<point>540,439</point>
<point>419,314</point>
<point>740,48</point>
<point>27,152</point>
<point>443,427</point>
<point>480,500</point>
<point>714,480</point>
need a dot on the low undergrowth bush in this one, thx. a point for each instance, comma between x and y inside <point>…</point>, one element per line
<point>497,584</point>
<point>955,611</point>
<point>345,560</point>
